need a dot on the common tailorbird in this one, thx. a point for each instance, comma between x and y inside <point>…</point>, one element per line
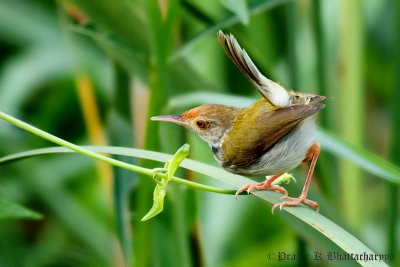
<point>271,137</point>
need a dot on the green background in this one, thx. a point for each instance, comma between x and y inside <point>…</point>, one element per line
<point>93,72</point>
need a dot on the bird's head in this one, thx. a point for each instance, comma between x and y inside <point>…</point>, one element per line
<point>209,121</point>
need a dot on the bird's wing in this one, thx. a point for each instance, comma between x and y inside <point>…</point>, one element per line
<point>271,91</point>
<point>261,133</point>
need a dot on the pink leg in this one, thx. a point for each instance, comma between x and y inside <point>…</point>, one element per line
<point>267,184</point>
<point>313,155</point>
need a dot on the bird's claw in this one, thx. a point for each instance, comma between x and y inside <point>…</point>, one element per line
<point>246,187</point>
<point>295,202</point>
<point>261,186</point>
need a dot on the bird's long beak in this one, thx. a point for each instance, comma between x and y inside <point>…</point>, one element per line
<point>169,118</point>
<point>317,98</point>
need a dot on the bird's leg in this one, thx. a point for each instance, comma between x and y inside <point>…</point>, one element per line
<point>267,184</point>
<point>313,156</point>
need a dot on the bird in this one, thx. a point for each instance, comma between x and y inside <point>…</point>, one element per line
<point>269,138</point>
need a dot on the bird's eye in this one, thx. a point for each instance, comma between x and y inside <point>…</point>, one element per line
<point>201,124</point>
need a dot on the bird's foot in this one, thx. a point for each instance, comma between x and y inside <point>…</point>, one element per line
<point>266,185</point>
<point>295,202</point>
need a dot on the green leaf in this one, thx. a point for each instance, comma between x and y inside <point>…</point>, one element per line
<point>158,202</point>
<point>12,210</point>
<point>173,164</point>
<point>338,235</point>
<point>161,188</point>
<point>239,8</point>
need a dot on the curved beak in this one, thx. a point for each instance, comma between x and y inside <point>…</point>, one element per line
<point>169,118</point>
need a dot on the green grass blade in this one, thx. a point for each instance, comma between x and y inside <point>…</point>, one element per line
<point>119,18</point>
<point>239,8</point>
<point>352,106</point>
<point>230,20</point>
<point>193,10</point>
<point>359,156</point>
<point>27,22</point>
<point>325,226</point>
<point>25,73</point>
<point>11,210</point>
<point>189,100</point>
<point>135,61</point>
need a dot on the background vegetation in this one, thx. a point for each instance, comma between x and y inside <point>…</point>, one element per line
<point>93,72</point>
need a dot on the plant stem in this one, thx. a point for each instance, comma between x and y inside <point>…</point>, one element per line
<point>202,186</point>
<point>69,145</point>
<point>352,102</point>
<point>145,171</point>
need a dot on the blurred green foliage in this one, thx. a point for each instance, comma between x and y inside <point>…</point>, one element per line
<point>66,64</point>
